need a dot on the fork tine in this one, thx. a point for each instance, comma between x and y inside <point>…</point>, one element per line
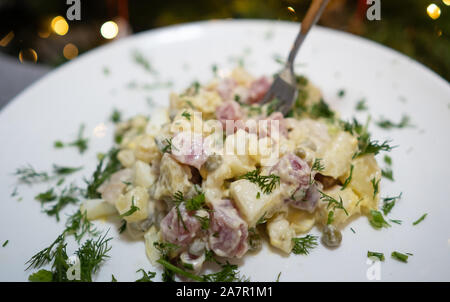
<point>283,91</point>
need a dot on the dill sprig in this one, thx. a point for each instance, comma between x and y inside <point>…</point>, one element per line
<point>44,256</point>
<point>387,124</point>
<point>317,165</point>
<point>80,143</point>
<point>91,254</point>
<point>29,175</point>
<point>78,225</point>
<point>348,179</point>
<point>321,110</point>
<point>266,183</point>
<point>376,186</point>
<point>69,195</point>
<point>64,170</point>
<point>302,245</point>
<point>102,173</point>
<point>332,202</point>
<point>132,209</point>
<point>389,203</point>
<point>141,60</point>
<point>146,276</point>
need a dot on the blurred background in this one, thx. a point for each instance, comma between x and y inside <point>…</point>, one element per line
<point>35,35</point>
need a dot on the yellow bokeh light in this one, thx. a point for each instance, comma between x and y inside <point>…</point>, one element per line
<point>290,8</point>
<point>109,30</point>
<point>70,51</point>
<point>59,25</point>
<point>28,54</point>
<point>446,2</point>
<point>6,39</point>
<point>433,11</point>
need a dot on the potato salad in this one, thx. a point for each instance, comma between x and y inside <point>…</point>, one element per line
<point>217,172</point>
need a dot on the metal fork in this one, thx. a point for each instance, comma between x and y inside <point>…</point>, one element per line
<point>284,87</point>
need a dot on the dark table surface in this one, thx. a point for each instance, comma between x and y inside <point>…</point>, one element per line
<point>16,76</point>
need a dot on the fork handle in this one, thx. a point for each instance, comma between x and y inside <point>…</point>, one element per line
<point>312,16</point>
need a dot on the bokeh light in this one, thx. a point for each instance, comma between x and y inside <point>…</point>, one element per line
<point>433,11</point>
<point>446,2</point>
<point>6,39</point>
<point>28,55</point>
<point>109,30</point>
<point>59,25</point>
<point>70,51</point>
<point>291,9</point>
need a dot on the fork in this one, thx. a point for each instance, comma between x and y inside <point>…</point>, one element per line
<point>284,87</point>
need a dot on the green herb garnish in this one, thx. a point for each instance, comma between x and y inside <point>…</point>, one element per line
<point>377,220</point>
<point>146,276</point>
<point>378,255</point>
<point>302,245</point>
<point>348,179</point>
<point>420,219</point>
<point>266,183</point>
<point>400,257</point>
<point>132,209</point>
<point>389,203</point>
<point>387,124</point>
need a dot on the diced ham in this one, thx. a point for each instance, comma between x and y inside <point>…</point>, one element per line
<point>228,231</point>
<point>179,227</point>
<point>266,128</point>
<point>258,89</point>
<point>189,148</point>
<point>296,174</point>
<point>229,111</point>
<point>292,171</point>
<point>309,202</point>
<point>225,88</point>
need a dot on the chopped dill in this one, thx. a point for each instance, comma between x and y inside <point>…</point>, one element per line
<point>141,60</point>
<point>146,276</point>
<point>420,219</point>
<point>387,124</point>
<point>348,179</point>
<point>361,105</point>
<point>132,209</point>
<point>187,115</point>
<point>303,245</point>
<point>376,186</point>
<point>378,255</point>
<point>80,143</point>
<point>332,202</point>
<point>266,183</point>
<point>389,203</point>
<point>400,257</point>
<point>377,220</point>
<point>116,116</point>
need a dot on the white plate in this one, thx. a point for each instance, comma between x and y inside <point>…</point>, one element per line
<point>79,92</point>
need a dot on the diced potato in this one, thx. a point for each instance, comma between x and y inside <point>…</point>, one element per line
<point>173,177</point>
<point>159,117</point>
<point>126,158</point>
<point>142,175</point>
<point>365,168</point>
<point>146,149</point>
<point>300,221</point>
<point>151,236</point>
<point>241,76</point>
<point>140,197</point>
<point>338,155</point>
<point>139,122</point>
<point>280,233</point>
<point>244,193</point>
<point>97,208</point>
<point>350,201</point>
